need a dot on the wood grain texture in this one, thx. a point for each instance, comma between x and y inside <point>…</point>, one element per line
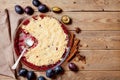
<point>84,75</point>
<point>97,37</point>
<point>100,21</point>
<point>98,60</point>
<point>91,75</point>
<point>93,20</point>
<point>99,40</point>
<point>68,5</point>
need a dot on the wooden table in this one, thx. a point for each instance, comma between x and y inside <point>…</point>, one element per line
<point>99,21</point>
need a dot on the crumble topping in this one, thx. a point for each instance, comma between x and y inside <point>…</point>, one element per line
<point>51,41</point>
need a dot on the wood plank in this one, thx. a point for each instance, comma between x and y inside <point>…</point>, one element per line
<point>68,5</point>
<point>104,21</point>
<point>95,37</point>
<point>98,60</point>
<point>91,75</point>
<point>84,75</point>
<point>92,20</point>
<point>99,40</point>
<point>3,77</point>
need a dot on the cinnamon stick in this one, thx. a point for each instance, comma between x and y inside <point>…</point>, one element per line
<point>71,39</point>
<point>72,53</point>
<point>73,49</point>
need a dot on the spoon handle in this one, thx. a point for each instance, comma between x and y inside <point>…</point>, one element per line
<point>16,63</point>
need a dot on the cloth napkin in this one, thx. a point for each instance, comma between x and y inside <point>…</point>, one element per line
<point>9,22</point>
<point>6,51</point>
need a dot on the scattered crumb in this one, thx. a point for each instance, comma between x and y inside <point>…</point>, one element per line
<point>106,46</point>
<point>74,2</point>
<point>76,59</point>
<point>77,30</point>
<point>85,45</point>
<point>80,58</point>
<point>81,45</point>
<point>82,67</point>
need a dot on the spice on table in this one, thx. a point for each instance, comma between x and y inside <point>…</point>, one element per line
<point>80,58</point>
<point>66,19</point>
<point>85,45</point>
<point>77,30</point>
<point>56,9</point>
<point>76,59</point>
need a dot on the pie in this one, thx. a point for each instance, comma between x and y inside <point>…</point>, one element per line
<point>50,41</point>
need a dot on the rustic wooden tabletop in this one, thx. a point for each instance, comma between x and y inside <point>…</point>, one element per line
<point>99,21</point>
